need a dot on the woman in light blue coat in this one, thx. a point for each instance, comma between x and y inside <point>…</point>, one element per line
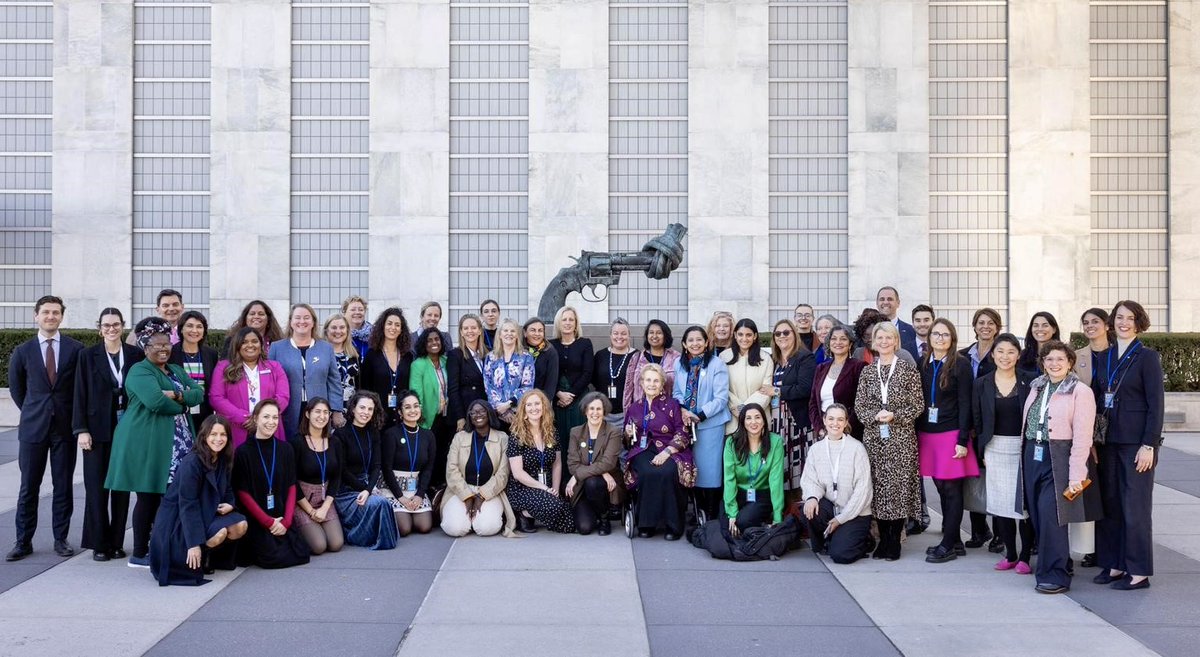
<point>311,368</point>
<point>702,389</point>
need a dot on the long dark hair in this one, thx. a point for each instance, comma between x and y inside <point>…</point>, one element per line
<point>224,458</point>
<point>1030,352</point>
<point>741,437</point>
<point>272,333</point>
<point>233,371</point>
<point>707,354</point>
<point>668,339</point>
<point>305,425</point>
<point>754,353</point>
<point>376,421</point>
<point>403,342</point>
<point>946,377</point>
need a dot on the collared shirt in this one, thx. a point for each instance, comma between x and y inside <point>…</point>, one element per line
<point>56,346</point>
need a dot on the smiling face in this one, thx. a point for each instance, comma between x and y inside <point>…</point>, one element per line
<point>754,422</point>
<point>887,302</point>
<point>256,317</point>
<point>433,343</point>
<point>1005,356</point>
<point>652,384</point>
<point>48,317</point>
<point>192,331</point>
<point>922,321</point>
<point>822,329</point>
<point>302,322</point>
<point>618,337</point>
<point>1042,330</point>
<point>745,339</point>
<point>251,348</point>
<point>1125,323</point>
<point>722,329</point>
<point>567,323</point>
<point>785,337</point>
<point>477,414</point>
<point>1057,364</point>
<point>158,351</point>
<point>835,421</point>
<point>941,338</point>
<point>410,410</point>
<point>217,439</point>
<point>694,343</point>
<point>839,343</point>
<point>364,410</point>
<point>470,330</point>
<point>535,334</point>
<point>266,421</point>
<point>391,328</point>
<point>884,342</point>
<point>337,330</point>
<point>431,317</point>
<point>318,416</point>
<point>655,337</point>
<point>985,328</point>
<point>803,316</point>
<point>110,327</point>
<point>508,336</point>
<point>533,409</point>
<point>595,412</point>
<point>1093,327</point>
<point>170,307</point>
<point>356,311</point>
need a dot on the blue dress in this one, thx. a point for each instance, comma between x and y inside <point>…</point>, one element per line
<point>372,525</point>
<point>707,395</point>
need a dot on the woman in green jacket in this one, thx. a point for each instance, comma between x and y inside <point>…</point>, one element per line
<point>155,432</point>
<point>428,379</point>
<point>753,472</point>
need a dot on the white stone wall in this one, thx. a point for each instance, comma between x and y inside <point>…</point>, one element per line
<point>1183,36</point>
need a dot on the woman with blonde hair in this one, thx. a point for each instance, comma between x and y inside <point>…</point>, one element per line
<point>537,473</point>
<point>720,331</point>
<point>310,366</point>
<point>575,362</point>
<point>508,373</point>
<point>345,353</point>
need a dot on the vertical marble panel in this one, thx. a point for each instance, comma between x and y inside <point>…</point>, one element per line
<point>1183,39</point>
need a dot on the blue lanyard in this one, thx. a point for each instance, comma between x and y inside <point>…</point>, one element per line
<point>762,462</point>
<point>1112,373</point>
<point>478,453</point>
<point>937,366</point>
<point>646,420</point>
<point>488,341</point>
<point>322,459</point>
<point>270,473</point>
<point>395,373</point>
<point>365,456</point>
<point>412,446</point>
<point>542,461</point>
<point>650,357</point>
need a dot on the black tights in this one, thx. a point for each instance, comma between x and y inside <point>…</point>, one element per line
<point>951,492</point>
<point>143,521</point>
<point>1007,530</point>
<point>592,506</point>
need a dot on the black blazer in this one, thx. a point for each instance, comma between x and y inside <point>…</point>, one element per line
<point>545,371</point>
<point>1137,413</point>
<point>986,364</point>
<point>797,386</point>
<point>908,337</point>
<point>45,409</point>
<point>95,404</point>
<point>464,383</point>
<point>208,362</point>
<point>983,405</point>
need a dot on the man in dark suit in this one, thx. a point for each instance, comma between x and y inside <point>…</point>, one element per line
<point>41,377</point>
<point>431,316</point>
<point>887,300</point>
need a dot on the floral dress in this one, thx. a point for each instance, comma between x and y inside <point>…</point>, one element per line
<point>551,511</point>
<point>181,444</point>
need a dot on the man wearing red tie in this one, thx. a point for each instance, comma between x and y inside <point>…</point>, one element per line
<point>41,377</point>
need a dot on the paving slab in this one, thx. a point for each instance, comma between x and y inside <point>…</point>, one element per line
<point>52,637</point>
<point>549,551</point>
<point>426,552</point>
<point>294,638</point>
<point>8,446</point>
<point>659,554</point>
<point>1029,639</point>
<point>43,557</point>
<point>793,639</point>
<point>580,639</point>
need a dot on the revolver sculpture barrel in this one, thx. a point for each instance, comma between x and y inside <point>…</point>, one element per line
<point>660,256</point>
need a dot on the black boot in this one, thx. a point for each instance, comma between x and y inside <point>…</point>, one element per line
<point>526,525</point>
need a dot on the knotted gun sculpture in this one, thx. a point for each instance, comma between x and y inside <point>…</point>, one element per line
<point>658,258</point>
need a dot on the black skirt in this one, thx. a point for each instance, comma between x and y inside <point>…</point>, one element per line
<point>661,501</point>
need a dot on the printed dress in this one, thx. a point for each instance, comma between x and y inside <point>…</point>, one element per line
<point>551,511</point>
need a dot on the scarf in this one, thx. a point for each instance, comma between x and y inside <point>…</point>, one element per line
<point>362,334</point>
<point>693,383</point>
<point>535,351</point>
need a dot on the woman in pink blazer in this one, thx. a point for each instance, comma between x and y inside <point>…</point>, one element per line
<point>245,378</point>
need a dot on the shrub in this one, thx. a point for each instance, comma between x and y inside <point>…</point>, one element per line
<point>1180,354</point>
<point>11,338</point>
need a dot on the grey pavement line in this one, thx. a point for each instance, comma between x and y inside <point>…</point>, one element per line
<point>432,583</point>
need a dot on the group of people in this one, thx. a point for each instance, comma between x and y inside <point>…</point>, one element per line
<point>293,441</point>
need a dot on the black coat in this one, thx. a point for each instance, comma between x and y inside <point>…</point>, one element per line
<point>983,406</point>
<point>987,365</point>
<point>464,383</point>
<point>208,362</point>
<point>1137,413</point>
<point>183,519</point>
<point>545,371</point>
<point>95,406</point>
<point>797,386</point>
<point>376,376</point>
<point>45,409</point>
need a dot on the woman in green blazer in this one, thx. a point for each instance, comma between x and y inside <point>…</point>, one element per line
<point>428,379</point>
<point>155,432</point>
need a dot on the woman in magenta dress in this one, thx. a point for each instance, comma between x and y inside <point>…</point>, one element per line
<point>659,464</point>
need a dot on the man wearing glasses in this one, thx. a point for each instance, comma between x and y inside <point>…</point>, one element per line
<point>803,316</point>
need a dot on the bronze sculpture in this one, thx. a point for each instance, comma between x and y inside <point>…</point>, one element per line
<point>658,258</point>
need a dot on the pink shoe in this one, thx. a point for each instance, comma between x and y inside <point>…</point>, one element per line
<point>1023,568</point>
<point>1005,564</point>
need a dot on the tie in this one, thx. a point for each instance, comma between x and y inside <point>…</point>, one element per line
<point>921,347</point>
<point>51,366</point>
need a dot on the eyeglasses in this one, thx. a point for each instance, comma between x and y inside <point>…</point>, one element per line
<point>783,334</point>
<point>159,346</point>
<point>108,327</point>
<point>940,336</point>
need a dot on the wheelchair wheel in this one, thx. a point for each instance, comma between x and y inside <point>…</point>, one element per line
<point>630,522</point>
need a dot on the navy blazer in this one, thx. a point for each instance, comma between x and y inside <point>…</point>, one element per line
<point>95,404</point>
<point>188,510</point>
<point>908,337</point>
<point>45,409</point>
<point>1137,413</point>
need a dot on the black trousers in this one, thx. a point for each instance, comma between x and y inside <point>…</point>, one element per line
<point>443,433</point>
<point>847,544</point>
<point>592,505</point>
<point>1041,498</point>
<point>951,493</point>
<point>752,514</point>
<point>1125,536</point>
<point>59,452</point>
<point>710,500</point>
<point>104,512</point>
<point>143,521</point>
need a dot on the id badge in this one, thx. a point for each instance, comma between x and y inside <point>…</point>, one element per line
<point>393,401</point>
<point>194,410</point>
<point>612,392</point>
<point>1108,399</point>
<point>120,412</point>
<point>1037,453</point>
<point>410,485</point>
<point>885,431</point>
<point>933,414</point>
<point>751,495</point>
<point>270,502</point>
<point>643,441</point>
<point>542,477</point>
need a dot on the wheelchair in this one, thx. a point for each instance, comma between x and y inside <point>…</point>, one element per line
<point>694,515</point>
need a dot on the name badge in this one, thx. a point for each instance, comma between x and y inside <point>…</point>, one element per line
<point>1108,399</point>
<point>542,477</point>
<point>392,401</point>
<point>194,410</point>
<point>751,496</point>
<point>885,431</point>
<point>933,414</point>
<point>612,392</point>
<point>410,485</point>
<point>1038,454</point>
<point>643,442</point>
<point>270,502</point>
<point>347,393</point>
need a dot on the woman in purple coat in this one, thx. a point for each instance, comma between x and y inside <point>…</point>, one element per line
<point>659,463</point>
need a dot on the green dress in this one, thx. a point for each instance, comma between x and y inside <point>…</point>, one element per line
<point>142,443</point>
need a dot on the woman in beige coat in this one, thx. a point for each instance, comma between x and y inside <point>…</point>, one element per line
<point>750,372</point>
<point>477,473</point>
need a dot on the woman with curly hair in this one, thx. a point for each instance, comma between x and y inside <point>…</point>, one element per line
<point>536,470</point>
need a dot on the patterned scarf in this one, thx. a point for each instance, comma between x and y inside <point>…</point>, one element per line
<point>535,351</point>
<point>362,334</point>
<point>693,383</point>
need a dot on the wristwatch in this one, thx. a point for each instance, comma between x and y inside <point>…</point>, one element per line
<point>1149,447</point>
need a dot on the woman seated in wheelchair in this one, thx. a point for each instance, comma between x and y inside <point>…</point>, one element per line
<point>659,463</point>
<point>753,491</point>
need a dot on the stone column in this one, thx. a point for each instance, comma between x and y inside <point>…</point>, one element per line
<point>250,212</point>
<point>92,162</point>
<point>568,142</point>
<point>410,153</point>
<point>1049,159</point>
<point>888,144</point>
<point>1183,42</point>
<point>728,158</point>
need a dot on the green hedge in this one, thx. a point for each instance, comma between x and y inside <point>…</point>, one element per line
<point>10,338</point>
<point>1180,357</point>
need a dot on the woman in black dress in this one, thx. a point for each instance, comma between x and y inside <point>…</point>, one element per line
<point>608,371</point>
<point>537,472</point>
<point>264,476</point>
<point>386,367</point>
<point>575,355</point>
<point>196,517</point>
<point>319,476</point>
<point>409,457</point>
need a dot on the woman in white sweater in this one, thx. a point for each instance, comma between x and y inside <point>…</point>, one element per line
<point>750,372</point>
<point>837,492</point>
